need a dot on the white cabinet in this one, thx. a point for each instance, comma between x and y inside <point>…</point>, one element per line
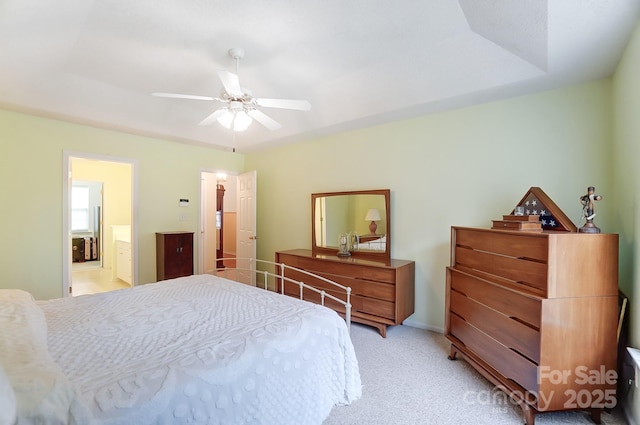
<point>123,261</point>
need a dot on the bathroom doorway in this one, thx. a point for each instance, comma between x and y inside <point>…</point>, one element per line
<point>99,197</point>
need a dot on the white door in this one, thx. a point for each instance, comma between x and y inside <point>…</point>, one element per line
<point>208,223</point>
<point>246,232</point>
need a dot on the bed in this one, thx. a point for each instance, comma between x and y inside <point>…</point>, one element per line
<point>199,350</point>
<point>374,244</point>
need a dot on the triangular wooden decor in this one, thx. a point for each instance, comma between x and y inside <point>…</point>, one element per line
<point>536,202</point>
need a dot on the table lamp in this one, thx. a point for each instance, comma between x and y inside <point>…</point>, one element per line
<point>373,215</point>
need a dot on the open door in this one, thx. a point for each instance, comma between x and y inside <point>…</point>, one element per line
<point>246,231</point>
<point>208,226</point>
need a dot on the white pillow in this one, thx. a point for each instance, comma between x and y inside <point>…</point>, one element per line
<point>42,392</point>
<point>7,400</point>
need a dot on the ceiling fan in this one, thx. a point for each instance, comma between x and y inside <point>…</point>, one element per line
<point>240,106</point>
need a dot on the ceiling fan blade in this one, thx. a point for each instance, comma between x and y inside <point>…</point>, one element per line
<point>300,105</point>
<point>264,119</point>
<point>213,117</point>
<point>231,83</point>
<point>184,96</point>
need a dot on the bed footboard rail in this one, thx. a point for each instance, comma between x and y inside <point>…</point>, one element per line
<point>263,278</point>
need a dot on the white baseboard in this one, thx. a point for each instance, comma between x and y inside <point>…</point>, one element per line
<point>422,325</point>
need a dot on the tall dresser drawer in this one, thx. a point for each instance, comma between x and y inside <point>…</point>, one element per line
<point>504,329</point>
<point>520,258</point>
<point>518,245</point>
<point>513,304</point>
<point>517,269</point>
<point>504,360</point>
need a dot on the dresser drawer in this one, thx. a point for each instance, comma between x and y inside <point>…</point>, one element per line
<point>518,257</point>
<point>518,245</point>
<point>339,268</point>
<point>370,306</point>
<point>381,291</point>
<point>506,361</point>
<point>522,308</point>
<point>504,329</point>
<point>522,271</point>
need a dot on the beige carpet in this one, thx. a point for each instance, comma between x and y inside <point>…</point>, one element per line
<point>408,380</point>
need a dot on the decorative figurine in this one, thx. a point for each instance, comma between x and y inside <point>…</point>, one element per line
<point>589,211</point>
<point>343,245</point>
<point>354,241</point>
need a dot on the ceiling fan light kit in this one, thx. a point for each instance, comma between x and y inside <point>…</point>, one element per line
<point>235,117</point>
<point>242,108</point>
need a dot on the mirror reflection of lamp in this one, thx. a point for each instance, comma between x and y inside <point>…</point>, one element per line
<point>373,215</point>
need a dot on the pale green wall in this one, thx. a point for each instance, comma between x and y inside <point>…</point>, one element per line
<point>462,167</point>
<point>626,108</point>
<point>31,162</point>
<point>626,178</point>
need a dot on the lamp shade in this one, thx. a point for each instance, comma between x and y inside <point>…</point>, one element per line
<point>372,215</point>
<point>235,118</point>
<point>226,119</point>
<point>242,121</point>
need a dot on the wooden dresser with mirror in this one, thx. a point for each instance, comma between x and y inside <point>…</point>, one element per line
<point>383,289</point>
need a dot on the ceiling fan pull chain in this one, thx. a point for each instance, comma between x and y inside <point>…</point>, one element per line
<point>234,140</point>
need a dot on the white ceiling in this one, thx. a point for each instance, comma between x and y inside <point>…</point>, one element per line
<point>359,62</point>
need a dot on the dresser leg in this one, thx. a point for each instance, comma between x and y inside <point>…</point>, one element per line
<point>453,353</point>
<point>383,330</point>
<point>529,414</point>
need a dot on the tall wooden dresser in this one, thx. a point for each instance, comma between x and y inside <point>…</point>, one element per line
<point>174,254</point>
<point>536,314</point>
<point>382,294</point>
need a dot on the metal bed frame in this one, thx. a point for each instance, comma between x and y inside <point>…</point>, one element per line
<point>279,276</point>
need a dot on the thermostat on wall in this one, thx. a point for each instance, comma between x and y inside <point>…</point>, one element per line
<point>184,202</point>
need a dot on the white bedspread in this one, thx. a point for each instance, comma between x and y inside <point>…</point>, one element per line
<point>204,350</point>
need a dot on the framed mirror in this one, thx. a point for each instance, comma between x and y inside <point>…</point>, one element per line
<point>366,213</point>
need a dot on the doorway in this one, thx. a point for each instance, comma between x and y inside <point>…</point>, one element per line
<point>218,219</point>
<point>99,251</point>
<point>224,226</point>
